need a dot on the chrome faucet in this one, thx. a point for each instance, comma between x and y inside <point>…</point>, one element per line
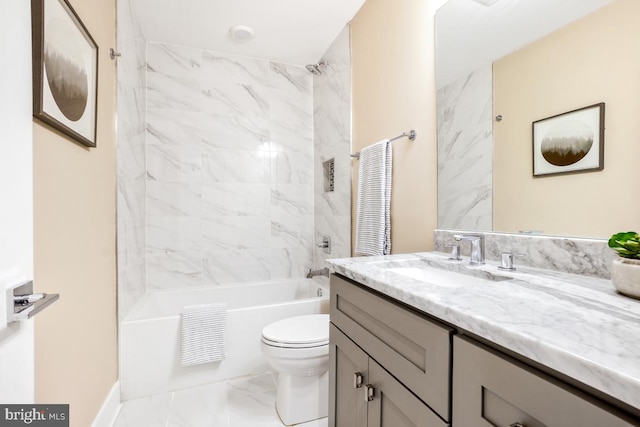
<point>477,247</point>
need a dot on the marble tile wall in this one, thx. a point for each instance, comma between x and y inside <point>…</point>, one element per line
<point>465,152</point>
<point>229,168</point>
<point>587,257</point>
<point>332,139</point>
<point>131,107</point>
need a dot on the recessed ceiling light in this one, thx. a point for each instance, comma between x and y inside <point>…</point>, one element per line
<point>241,33</point>
<point>486,2</point>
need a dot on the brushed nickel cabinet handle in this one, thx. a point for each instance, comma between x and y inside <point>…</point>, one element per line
<point>369,392</point>
<point>517,425</point>
<point>357,380</point>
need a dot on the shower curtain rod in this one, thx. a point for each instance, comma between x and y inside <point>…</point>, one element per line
<point>411,135</point>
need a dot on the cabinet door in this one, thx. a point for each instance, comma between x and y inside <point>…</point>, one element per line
<point>490,389</point>
<point>413,348</point>
<point>347,401</point>
<point>395,406</point>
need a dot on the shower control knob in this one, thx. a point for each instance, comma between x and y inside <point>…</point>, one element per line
<point>325,244</point>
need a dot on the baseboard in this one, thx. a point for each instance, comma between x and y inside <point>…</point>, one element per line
<point>109,409</point>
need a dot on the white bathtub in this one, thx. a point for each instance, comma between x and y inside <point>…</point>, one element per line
<point>150,335</point>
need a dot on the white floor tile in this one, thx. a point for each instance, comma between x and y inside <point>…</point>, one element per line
<point>146,412</point>
<point>252,384</point>
<point>240,402</point>
<point>204,406</point>
<point>252,409</point>
<point>322,422</point>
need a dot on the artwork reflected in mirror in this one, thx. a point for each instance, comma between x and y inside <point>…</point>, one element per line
<point>570,142</point>
<point>485,179</point>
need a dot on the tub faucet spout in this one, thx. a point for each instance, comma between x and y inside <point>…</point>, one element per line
<point>322,272</point>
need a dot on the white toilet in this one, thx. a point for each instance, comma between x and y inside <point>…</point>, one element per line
<point>298,348</point>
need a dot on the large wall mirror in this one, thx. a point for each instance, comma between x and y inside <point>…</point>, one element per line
<point>502,65</point>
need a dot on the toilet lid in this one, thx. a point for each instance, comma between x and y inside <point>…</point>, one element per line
<point>309,329</point>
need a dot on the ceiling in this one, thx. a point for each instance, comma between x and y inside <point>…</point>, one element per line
<point>470,34</point>
<point>294,32</point>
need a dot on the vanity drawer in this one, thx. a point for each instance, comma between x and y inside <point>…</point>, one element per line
<point>414,349</point>
<point>490,389</point>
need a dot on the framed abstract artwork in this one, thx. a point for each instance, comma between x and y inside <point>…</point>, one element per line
<point>570,142</point>
<point>65,71</point>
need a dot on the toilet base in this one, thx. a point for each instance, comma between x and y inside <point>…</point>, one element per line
<point>302,399</point>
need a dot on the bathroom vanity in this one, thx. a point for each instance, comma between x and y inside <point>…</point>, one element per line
<point>421,340</point>
<point>384,355</point>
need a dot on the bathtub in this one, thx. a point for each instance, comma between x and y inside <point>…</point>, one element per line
<point>150,340</point>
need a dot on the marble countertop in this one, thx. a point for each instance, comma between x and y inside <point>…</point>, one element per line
<point>576,325</point>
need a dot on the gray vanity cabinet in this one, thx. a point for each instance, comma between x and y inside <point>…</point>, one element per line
<point>490,389</point>
<point>364,394</point>
<point>393,405</point>
<point>389,366</point>
<point>347,380</point>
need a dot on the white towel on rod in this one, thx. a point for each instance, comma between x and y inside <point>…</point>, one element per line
<point>204,330</point>
<point>373,211</point>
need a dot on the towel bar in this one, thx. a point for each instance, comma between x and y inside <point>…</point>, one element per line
<point>411,135</point>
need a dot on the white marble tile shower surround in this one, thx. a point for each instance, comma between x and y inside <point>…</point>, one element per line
<point>240,402</point>
<point>229,177</point>
<point>465,152</point>
<point>131,210</point>
<point>332,139</point>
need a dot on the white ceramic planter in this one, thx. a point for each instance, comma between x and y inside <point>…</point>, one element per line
<point>625,276</point>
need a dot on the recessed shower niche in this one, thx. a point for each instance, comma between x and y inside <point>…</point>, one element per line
<point>328,168</point>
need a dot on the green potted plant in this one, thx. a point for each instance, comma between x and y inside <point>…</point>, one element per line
<point>625,271</point>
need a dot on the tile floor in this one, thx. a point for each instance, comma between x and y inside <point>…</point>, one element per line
<point>239,402</point>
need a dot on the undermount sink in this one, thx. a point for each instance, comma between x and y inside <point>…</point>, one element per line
<point>438,270</point>
<point>437,276</point>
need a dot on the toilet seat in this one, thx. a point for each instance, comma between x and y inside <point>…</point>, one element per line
<point>298,332</point>
<point>292,345</point>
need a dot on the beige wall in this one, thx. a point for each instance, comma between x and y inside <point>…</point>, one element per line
<point>74,228</point>
<point>596,59</point>
<point>392,45</point>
